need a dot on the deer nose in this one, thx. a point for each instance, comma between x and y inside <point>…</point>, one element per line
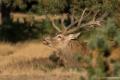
<point>45,42</point>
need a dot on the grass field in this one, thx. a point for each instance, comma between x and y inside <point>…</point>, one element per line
<point>29,61</point>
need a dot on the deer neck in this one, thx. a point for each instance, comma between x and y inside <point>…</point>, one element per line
<point>62,45</point>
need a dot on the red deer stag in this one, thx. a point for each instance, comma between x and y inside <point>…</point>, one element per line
<point>66,42</point>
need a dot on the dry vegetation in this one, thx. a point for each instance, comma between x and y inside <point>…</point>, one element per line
<point>21,17</point>
<point>31,58</point>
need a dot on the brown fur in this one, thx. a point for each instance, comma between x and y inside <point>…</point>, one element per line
<point>67,50</point>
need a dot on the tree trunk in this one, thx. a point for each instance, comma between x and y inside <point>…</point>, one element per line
<point>5,12</point>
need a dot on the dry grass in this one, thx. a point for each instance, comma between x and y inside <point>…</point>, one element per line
<point>26,51</point>
<point>31,59</point>
<point>31,17</point>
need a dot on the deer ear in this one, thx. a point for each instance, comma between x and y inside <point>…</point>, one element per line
<point>76,35</point>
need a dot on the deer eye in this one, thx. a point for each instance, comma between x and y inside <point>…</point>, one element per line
<point>59,36</point>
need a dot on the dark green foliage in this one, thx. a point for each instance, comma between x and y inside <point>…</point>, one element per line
<point>98,42</point>
<point>50,6</point>
<point>57,6</point>
<point>116,68</point>
<point>110,29</point>
<point>47,27</point>
<point>98,72</point>
<point>117,38</point>
<point>15,32</point>
<point>100,37</point>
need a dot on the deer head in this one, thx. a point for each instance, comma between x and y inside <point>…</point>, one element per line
<point>71,32</point>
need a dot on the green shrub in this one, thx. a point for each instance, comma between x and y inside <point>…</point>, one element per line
<point>117,38</point>
<point>14,32</point>
<point>117,68</point>
<point>110,29</point>
<point>98,42</point>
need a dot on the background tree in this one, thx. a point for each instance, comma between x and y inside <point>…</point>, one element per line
<point>43,7</point>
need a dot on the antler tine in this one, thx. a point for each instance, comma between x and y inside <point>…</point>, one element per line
<point>62,22</point>
<point>88,14</point>
<point>72,24</point>
<point>103,16</point>
<point>94,21</point>
<point>75,22</point>
<point>55,26</point>
<point>94,17</point>
<point>81,18</point>
<point>53,23</point>
<point>83,25</point>
<point>72,19</point>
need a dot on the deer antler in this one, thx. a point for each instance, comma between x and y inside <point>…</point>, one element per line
<point>67,31</point>
<point>53,23</point>
<point>62,22</point>
<point>78,23</point>
<point>81,18</point>
<point>94,21</point>
<point>55,26</point>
